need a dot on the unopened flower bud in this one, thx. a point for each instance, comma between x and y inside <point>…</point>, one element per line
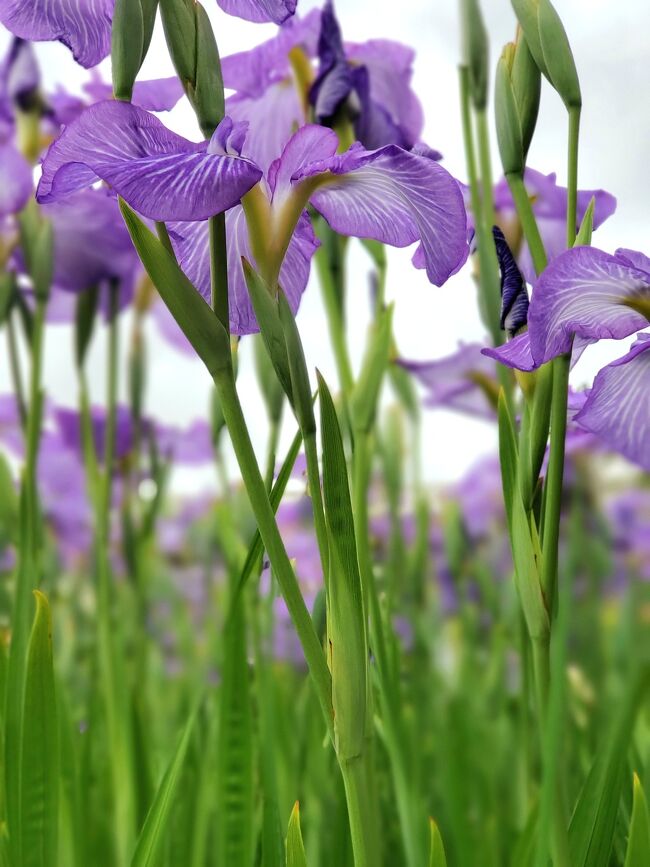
<point>550,47</point>
<point>475,51</point>
<point>195,56</point>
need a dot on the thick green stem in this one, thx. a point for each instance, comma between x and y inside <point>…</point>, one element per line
<point>572,181</point>
<point>14,367</point>
<point>489,281</point>
<point>356,795</point>
<point>272,540</point>
<point>528,221</point>
<point>109,647</point>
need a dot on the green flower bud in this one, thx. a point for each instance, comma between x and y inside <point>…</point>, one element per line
<point>517,91</point>
<point>550,47</point>
<point>127,43</point>
<point>194,53</point>
<point>526,85</point>
<point>475,51</point>
<point>508,123</point>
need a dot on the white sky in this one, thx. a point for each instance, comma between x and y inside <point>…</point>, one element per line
<point>609,41</point>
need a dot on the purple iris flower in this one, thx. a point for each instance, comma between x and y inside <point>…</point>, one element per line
<point>159,173</point>
<point>376,77</point>
<point>617,408</point>
<point>464,381</point>
<point>392,195</point>
<point>84,26</point>
<point>549,201</point>
<point>584,295</point>
<point>368,84</point>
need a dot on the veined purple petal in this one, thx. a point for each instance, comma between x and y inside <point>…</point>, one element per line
<point>259,11</point>
<point>193,250</point>
<point>465,381</point>
<point>634,258</point>
<point>91,242</point>
<point>395,197</point>
<point>160,174</point>
<point>16,180</point>
<point>617,409</point>
<point>584,293</point>
<point>83,25</point>
<point>516,353</point>
<point>156,94</point>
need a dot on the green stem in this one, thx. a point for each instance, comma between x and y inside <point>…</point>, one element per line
<point>272,540</point>
<point>109,646</point>
<point>572,182</point>
<point>489,281</point>
<point>554,478</point>
<point>14,366</point>
<point>528,221</point>
<point>356,795</point>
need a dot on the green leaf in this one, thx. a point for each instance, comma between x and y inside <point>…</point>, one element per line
<point>365,395</point>
<point>437,857</point>
<point>148,848</point>
<point>638,846</point>
<point>235,750</point>
<point>195,318</point>
<point>303,402</point>
<point>207,95</point>
<point>522,536</point>
<point>39,764</point>
<point>296,856</point>
<point>8,504</point>
<point>347,632</point>
<point>85,315</point>
<point>267,314</point>
<point>583,238</point>
<point>558,56</point>
<point>591,832</point>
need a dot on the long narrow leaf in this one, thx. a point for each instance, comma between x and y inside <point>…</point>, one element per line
<point>152,835</point>
<point>296,856</point>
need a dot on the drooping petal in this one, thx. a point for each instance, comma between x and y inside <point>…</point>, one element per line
<point>68,422</point>
<point>83,25</point>
<point>465,381</point>
<point>156,94</point>
<point>159,173</point>
<point>193,250</point>
<point>585,292</point>
<point>617,409</point>
<point>259,11</point>
<point>516,353</point>
<point>16,181</point>
<point>395,197</point>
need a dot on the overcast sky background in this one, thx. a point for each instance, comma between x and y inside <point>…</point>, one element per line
<point>610,44</point>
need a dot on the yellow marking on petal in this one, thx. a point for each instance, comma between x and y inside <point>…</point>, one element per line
<point>638,303</point>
